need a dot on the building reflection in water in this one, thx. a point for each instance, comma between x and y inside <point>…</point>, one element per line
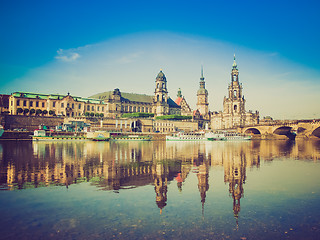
<point>116,166</point>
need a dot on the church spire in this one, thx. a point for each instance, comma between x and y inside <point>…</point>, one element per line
<point>179,95</point>
<point>202,78</point>
<point>234,66</point>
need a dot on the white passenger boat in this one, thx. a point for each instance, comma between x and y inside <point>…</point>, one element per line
<point>228,136</point>
<point>186,137</point>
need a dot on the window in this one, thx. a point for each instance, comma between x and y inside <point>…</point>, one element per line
<point>142,109</point>
<point>18,102</point>
<point>138,109</point>
<point>72,105</point>
<point>98,108</point>
<point>43,104</point>
<point>37,104</point>
<point>68,105</point>
<point>88,108</point>
<point>92,108</point>
<point>126,108</point>
<point>79,106</point>
<point>130,109</point>
<point>31,103</point>
<point>134,109</point>
<point>102,109</point>
<point>235,108</point>
<point>54,104</point>
<point>24,103</point>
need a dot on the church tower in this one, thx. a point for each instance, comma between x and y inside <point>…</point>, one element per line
<point>160,101</point>
<point>234,105</point>
<point>202,97</point>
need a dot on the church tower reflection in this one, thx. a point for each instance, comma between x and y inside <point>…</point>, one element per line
<point>235,175</point>
<point>160,185</point>
<point>203,184</point>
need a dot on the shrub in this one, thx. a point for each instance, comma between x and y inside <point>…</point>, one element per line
<point>32,111</point>
<point>92,114</point>
<point>51,112</point>
<point>25,111</point>
<point>45,112</point>
<point>137,115</point>
<point>101,115</point>
<point>19,110</point>
<point>173,117</point>
<point>38,111</point>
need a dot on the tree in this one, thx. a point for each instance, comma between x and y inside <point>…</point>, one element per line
<point>25,111</point>
<point>32,111</point>
<point>87,114</point>
<point>92,114</point>
<point>19,110</point>
<point>38,111</point>
<point>44,112</point>
<point>101,115</point>
<point>97,114</point>
<point>51,112</point>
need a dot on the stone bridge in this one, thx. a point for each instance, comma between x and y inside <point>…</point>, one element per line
<point>302,129</point>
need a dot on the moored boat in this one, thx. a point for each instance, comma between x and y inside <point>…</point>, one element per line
<point>186,137</point>
<point>40,135</point>
<point>130,138</point>
<point>228,136</point>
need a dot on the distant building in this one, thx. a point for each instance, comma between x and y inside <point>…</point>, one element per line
<point>181,101</point>
<point>234,113</point>
<point>160,104</point>
<point>4,103</point>
<point>110,104</point>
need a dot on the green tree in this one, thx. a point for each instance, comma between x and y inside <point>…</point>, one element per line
<point>32,111</point>
<point>101,115</point>
<point>92,114</point>
<point>38,111</point>
<point>87,114</point>
<point>97,114</point>
<point>51,112</point>
<point>44,112</point>
<point>19,110</point>
<point>25,111</point>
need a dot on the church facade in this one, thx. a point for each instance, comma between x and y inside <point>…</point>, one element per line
<point>234,113</point>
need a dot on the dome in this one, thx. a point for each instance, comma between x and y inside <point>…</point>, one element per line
<point>161,75</point>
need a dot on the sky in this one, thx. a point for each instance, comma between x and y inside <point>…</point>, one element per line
<point>89,47</point>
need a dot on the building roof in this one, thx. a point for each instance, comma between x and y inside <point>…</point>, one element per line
<point>132,97</point>
<point>178,101</point>
<point>54,97</point>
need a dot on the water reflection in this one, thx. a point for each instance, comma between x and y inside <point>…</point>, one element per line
<point>116,166</point>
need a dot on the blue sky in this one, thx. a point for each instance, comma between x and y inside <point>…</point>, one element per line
<point>88,47</point>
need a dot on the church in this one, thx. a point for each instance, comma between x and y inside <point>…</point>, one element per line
<point>234,113</point>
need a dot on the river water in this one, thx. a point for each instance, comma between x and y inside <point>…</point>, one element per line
<point>160,190</point>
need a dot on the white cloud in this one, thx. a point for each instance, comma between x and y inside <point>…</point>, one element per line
<point>67,56</point>
<point>129,58</point>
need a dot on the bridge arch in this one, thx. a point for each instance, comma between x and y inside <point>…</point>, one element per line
<point>284,130</point>
<point>316,132</point>
<point>254,131</point>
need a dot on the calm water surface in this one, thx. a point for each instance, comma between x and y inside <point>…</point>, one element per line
<point>160,190</point>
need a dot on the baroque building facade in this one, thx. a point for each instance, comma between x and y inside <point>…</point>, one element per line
<point>111,104</point>
<point>234,113</point>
